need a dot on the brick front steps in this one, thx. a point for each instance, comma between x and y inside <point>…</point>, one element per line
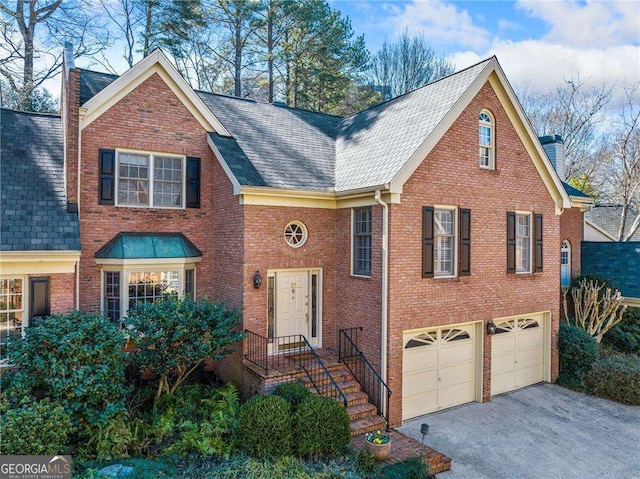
<point>405,447</point>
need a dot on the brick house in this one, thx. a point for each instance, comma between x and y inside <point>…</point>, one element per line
<point>425,229</point>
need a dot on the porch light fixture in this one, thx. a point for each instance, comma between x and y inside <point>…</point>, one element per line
<point>424,430</point>
<point>257,280</point>
<point>491,328</point>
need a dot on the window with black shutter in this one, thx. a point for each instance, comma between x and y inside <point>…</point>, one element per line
<point>107,175</point>
<point>193,182</point>
<point>427,242</point>
<point>40,303</point>
<point>538,243</point>
<point>465,242</point>
<point>511,242</point>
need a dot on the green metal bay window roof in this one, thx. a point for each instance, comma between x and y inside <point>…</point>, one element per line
<point>148,246</point>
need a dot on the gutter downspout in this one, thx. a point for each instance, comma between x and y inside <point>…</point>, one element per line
<point>385,288</point>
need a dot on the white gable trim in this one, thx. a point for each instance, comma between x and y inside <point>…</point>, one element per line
<point>155,63</point>
<point>517,117</point>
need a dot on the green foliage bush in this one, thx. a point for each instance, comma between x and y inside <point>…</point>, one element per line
<point>34,428</point>
<point>264,427</point>
<point>173,336</point>
<point>578,352</point>
<point>293,392</point>
<point>625,337</point>
<point>77,361</point>
<point>321,427</point>
<point>410,469</point>
<point>616,377</point>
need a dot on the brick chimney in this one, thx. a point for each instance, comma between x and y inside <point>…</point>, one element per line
<point>554,147</point>
<point>69,109</point>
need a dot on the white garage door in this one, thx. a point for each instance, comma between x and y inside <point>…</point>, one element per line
<point>517,353</point>
<point>439,369</point>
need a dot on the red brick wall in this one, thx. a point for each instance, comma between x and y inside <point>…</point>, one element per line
<point>70,103</point>
<point>150,118</point>
<point>450,175</point>
<point>572,229</point>
<point>62,292</point>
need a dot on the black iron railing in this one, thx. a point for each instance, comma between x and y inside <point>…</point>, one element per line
<point>369,379</point>
<point>286,353</point>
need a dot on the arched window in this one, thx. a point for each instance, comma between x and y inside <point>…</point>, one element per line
<point>565,264</point>
<point>486,139</point>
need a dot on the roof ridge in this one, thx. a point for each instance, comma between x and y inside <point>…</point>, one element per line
<point>32,113</point>
<point>386,102</point>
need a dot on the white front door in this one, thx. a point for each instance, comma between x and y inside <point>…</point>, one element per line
<point>293,303</point>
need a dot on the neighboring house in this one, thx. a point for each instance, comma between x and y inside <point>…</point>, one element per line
<point>39,235</point>
<point>429,221</point>
<point>602,223</point>
<point>572,219</point>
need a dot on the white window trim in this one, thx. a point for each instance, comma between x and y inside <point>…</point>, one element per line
<point>25,308</point>
<point>124,271</point>
<point>152,155</point>
<point>530,215</point>
<point>456,233</point>
<point>353,233</point>
<point>492,148</point>
<point>305,234</point>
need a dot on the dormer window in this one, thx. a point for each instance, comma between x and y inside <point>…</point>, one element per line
<point>486,140</point>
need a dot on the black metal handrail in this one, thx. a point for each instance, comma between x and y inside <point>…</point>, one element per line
<point>361,369</point>
<point>292,352</point>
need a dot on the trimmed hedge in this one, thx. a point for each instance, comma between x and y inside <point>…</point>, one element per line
<point>321,427</point>
<point>38,428</point>
<point>616,377</point>
<point>625,337</point>
<point>293,392</point>
<point>578,352</point>
<point>264,427</point>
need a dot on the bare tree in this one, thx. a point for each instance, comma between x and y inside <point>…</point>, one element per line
<point>623,162</point>
<point>32,32</point>
<point>407,64</point>
<point>125,16</point>
<point>576,111</point>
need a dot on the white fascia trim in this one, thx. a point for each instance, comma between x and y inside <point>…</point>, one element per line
<point>585,204</point>
<point>38,256</point>
<point>633,302</point>
<point>148,261</point>
<point>600,229</point>
<point>225,166</point>
<point>156,62</point>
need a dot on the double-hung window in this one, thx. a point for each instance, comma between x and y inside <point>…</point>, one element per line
<point>523,243</point>
<point>445,235</point>
<point>361,242</point>
<point>149,179</point>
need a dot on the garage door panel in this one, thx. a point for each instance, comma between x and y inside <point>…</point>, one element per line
<point>420,382</point>
<point>419,404</point>
<point>459,373</point>
<point>455,395</point>
<point>504,364</point>
<point>528,358</point>
<point>501,383</point>
<point>419,359</point>
<point>456,353</point>
<point>503,343</point>
<point>530,338</point>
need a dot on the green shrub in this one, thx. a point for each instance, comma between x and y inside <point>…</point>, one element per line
<point>36,428</point>
<point>321,427</point>
<point>625,337</point>
<point>264,427</point>
<point>410,469</point>
<point>77,361</point>
<point>174,336</point>
<point>293,392</point>
<point>616,377</point>
<point>578,352</point>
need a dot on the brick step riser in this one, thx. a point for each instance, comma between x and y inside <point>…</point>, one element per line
<point>369,428</point>
<point>330,392</point>
<point>362,415</point>
<point>339,379</point>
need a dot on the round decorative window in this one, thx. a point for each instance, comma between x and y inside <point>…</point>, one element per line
<point>295,234</point>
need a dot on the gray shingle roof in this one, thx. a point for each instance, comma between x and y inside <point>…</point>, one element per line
<point>287,148</point>
<point>571,191</point>
<point>33,215</point>
<point>375,144</point>
<point>618,262</point>
<point>608,218</point>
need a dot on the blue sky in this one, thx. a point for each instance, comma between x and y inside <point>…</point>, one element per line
<point>539,42</point>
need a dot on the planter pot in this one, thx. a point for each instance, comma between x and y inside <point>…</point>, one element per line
<point>380,451</point>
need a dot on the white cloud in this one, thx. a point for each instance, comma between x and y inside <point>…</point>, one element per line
<point>592,24</point>
<point>442,23</point>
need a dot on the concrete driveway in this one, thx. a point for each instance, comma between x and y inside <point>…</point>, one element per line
<point>543,431</point>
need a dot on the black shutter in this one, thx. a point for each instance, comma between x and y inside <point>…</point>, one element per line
<point>427,242</point>
<point>193,182</point>
<point>538,243</point>
<point>40,303</point>
<point>511,242</point>
<point>465,242</point>
<point>107,180</point>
